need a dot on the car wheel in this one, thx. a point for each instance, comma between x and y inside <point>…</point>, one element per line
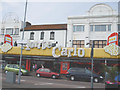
<point>38,75</point>
<point>6,72</point>
<point>96,80</point>
<point>72,78</point>
<point>53,76</point>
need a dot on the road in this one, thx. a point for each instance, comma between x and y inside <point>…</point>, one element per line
<point>35,82</point>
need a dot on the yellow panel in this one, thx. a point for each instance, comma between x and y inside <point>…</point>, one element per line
<point>98,52</point>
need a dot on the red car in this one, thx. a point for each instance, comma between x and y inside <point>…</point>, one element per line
<point>45,72</point>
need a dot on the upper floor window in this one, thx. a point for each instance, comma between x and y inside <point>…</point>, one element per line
<point>9,31</point>
<point>16,31</point>
<point>2,31</point>
<point>109,27</point>
<point>78,28</point>
<point>42,36</point>
<point>52,35</point>
<point>91,27</point>
<point>32,36</point>
<point>100,27</point>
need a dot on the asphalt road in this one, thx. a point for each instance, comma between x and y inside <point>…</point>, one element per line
<point>35,82</point>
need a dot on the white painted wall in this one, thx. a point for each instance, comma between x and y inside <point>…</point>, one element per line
<point>60,36</point>
<point>99,14</point>
<point>10,21</point>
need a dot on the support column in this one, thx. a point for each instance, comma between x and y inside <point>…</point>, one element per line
<point>27,64</point>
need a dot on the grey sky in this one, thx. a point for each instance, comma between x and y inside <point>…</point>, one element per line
<point>50,12</point>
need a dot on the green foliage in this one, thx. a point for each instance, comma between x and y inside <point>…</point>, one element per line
<point>112,72</point>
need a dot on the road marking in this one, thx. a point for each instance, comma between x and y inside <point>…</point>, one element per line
<point>81,87</point>
<point>43,83</point>
<point>23,80</point>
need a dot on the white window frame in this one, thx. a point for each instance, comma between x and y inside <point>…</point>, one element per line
<point>9,31</point>
<point>76,28</point>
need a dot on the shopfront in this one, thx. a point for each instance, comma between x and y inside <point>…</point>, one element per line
<point>59,59</point>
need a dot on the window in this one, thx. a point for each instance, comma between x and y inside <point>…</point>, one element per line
<point>78,43</point>
<point>47,70</point>
<point>91,27</point>
<point>88,71</point>
<point>10,66</point>
<point>109,27</point>
<point>100,27</point>
<point>32,36</point>
<point>16,67</point>
<point>52,35</point>
<point>41,70</point>
<point>9,31</point>
<point>98,43</point>
<point>16,31</point>
<point>2,31</point>
<point>78,28</point>
<point>42,36</point>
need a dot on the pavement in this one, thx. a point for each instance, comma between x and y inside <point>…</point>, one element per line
<point>23,85</point>
<point>34,83</point>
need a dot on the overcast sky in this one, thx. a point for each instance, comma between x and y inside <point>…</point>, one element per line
<point>50,12</point>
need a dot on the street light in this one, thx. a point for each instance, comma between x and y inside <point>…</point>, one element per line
<point>24,25</point>
<point>92,52</point>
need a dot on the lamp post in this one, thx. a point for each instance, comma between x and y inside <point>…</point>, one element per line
<point>24,25</point>
<point>92,64</point>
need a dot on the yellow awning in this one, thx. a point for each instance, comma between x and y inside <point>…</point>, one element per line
<point>98,52</point>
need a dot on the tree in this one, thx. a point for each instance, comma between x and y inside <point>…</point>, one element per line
<point>112,72</point>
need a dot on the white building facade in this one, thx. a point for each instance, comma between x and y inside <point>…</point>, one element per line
<point>54,34</point>
<point>10,25</point>
<point>100,22</point>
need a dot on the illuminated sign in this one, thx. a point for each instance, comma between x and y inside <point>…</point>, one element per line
<point>64,51</point>
<point>113,38</point>
<point>112,44</point>
<point>67,52</point>
<point>7,43</point>
<point>8,39</point>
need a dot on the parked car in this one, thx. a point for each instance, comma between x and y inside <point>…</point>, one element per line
<point>45,72</point>
<point>82,74</point>
<point>15,68</point>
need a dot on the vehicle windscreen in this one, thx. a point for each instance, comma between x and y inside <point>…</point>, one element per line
<point>76,70</point>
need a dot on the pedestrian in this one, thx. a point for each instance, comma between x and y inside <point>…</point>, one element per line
<point>42,66</point>
<point>35,67</point>
<point>23,66</point>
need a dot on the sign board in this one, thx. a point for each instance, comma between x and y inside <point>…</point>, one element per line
<point>8,39</point>
<point>113,39</point>
<point>112,44</point>
<point>8,43</point>
<point>64,67</point>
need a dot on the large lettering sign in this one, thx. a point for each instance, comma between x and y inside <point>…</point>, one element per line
<point>112,44</point>
<point>64,51</point>
<point>67,52</point>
